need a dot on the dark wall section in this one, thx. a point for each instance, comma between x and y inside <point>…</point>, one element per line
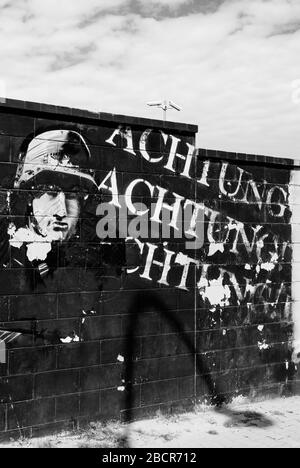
<point>244,310</point>
<point>92,326</point>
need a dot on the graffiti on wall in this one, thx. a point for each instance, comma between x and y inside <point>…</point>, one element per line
<point>217,231</point>
<point>56,167</point>
<point>253,254</point>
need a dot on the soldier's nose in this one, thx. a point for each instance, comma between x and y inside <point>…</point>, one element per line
<point>61,208</point>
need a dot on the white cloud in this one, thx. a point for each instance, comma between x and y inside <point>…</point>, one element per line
<point>232,69</point>
<point>60,10</point>
<point>170,3</point>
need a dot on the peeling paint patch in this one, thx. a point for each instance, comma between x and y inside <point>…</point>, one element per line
<point>263,345</point>
<point>275,258</point>
<point>8,198</point>
<point>120,358</point>
<point>251,289</point>
<point>70,339</point>
<point>287,365</point>
<point>216,293</point>
<point>121,389</point>
<point>260,327</point>
<point>66,340</point>
<point>38,247</point>
<point>38,251</point>
<point>268,266</point>
<point>11,230</point>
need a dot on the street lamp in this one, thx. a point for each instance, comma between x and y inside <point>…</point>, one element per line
<point>164,105</point>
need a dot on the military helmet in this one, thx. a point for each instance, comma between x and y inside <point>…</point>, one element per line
<point>56,156</point>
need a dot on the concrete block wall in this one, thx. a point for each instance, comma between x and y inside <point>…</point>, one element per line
<point>98,328</point>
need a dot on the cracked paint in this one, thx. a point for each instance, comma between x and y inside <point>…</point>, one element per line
<point>262,345</point>
<point>38,247</point>
<point>70,339</point>
<point>215,292</point>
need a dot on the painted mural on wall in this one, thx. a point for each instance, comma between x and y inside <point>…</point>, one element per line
<point>55,168</point>
<point>247,252</point>
<point>91,215</point>
<point>51,239</point>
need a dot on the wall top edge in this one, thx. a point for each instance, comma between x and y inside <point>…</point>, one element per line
<point>256,159</point>
<point>27,107</point>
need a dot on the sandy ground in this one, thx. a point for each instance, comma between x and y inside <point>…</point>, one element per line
<point>267,424</point>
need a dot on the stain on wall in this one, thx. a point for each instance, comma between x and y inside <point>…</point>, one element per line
<point>199,306</point>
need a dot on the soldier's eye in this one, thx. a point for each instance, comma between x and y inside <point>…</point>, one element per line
<point>51,194</point>
<point>72,196</point>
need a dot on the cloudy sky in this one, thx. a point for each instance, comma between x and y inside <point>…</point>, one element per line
<point>233,65</point>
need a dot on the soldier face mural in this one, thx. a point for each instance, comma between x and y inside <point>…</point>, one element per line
<point>53,218</point>
<point>49,168</point>
<point>55,213</point>
<point>78,307</point>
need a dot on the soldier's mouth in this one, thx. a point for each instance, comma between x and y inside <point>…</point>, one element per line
<point>60,226</point>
